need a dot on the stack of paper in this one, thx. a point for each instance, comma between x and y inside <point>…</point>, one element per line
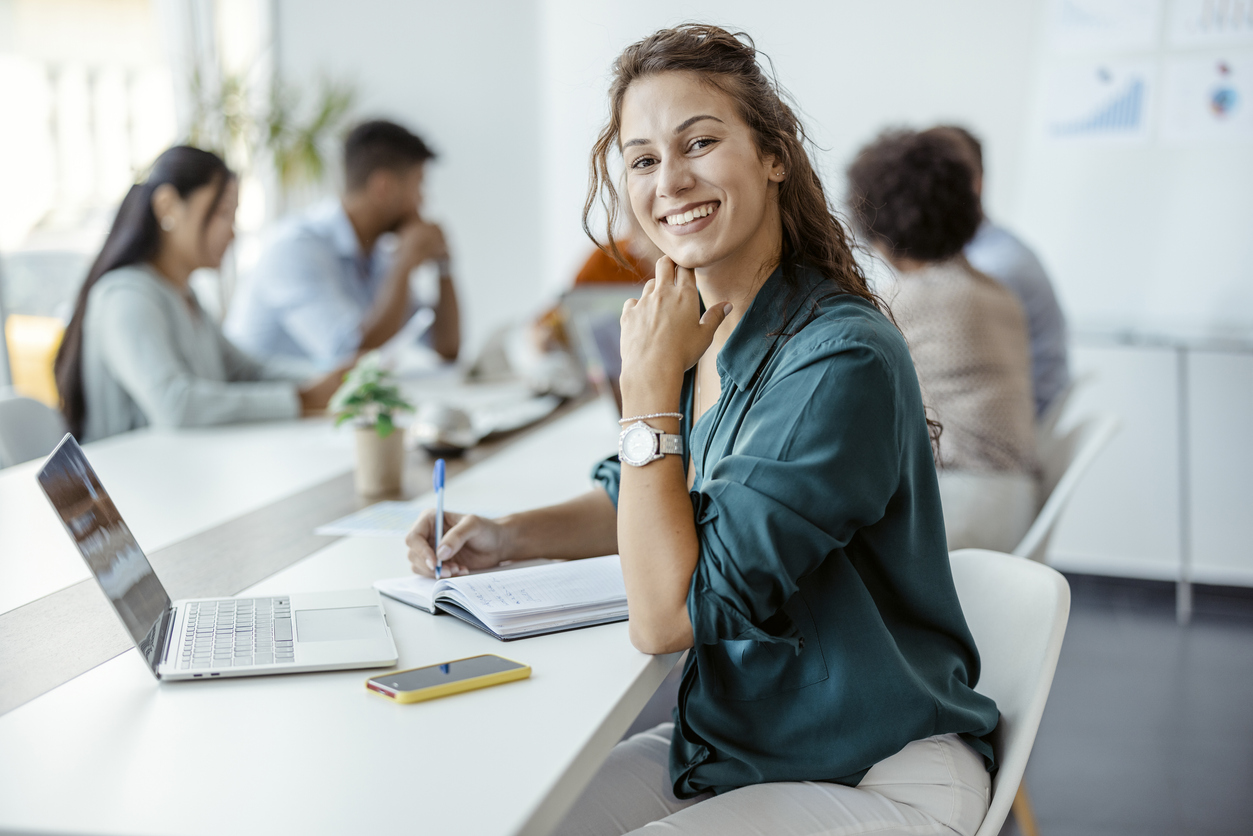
<point>526,601</point>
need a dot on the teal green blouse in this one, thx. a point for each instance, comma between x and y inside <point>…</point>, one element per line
<point>827,629</point>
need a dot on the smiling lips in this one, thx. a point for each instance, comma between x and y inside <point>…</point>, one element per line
<point>695,213</point>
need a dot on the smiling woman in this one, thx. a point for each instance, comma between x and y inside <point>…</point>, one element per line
<point>774,502</point>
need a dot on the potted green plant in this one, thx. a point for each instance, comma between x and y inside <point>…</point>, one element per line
<point>369,398</point>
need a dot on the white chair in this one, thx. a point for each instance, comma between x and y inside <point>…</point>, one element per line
<point>1063,460</point>
<point>1017,612</point>
<point>1046,424</point>
<point>28,430</point>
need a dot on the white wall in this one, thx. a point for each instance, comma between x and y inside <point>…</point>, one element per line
<point>465,77</point>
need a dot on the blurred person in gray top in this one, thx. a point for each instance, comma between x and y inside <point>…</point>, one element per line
<point>139,350</point>
<point>912,197</point>
<point>334,280</point>
<point>997,252</point>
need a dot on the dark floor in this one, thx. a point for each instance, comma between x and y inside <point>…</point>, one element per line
<point>1149,726</point>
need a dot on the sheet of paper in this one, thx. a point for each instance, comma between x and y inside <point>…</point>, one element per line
<point>1099,102</point>
<point>382,519</point>
<point>1084,25</point>
<point>1202,23</point>
<point>388,519</point>
<point>1208,100</point>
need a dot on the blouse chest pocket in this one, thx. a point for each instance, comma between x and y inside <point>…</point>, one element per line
<point>752,670</point>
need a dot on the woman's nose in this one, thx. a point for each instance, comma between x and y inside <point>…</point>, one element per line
<point>676,177</point>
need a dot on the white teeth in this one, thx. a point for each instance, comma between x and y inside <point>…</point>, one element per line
<point>690,215</point>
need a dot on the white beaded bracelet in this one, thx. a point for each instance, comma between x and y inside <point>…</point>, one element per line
<point>678,415</point>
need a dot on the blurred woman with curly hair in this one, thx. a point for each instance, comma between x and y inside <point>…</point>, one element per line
<point>913,197</point>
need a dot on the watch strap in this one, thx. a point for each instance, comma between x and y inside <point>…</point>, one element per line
<point>670,445</point>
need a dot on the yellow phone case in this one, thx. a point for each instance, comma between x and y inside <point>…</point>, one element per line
<point>436,691</point>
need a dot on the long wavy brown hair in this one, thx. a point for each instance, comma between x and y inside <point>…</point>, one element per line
<point>813,236</point>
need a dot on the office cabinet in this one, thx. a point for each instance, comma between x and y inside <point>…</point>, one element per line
<point>1220,442</point>
<point>1128,515</point>
<point>1124,517</point>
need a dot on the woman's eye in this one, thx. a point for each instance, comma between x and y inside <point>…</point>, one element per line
<point>642,162</point>
<point>702,143</point>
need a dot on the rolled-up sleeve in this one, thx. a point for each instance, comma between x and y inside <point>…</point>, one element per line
<point>141,353</point>
<point>812,464</point>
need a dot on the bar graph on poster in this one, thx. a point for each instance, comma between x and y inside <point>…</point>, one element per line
<point>1102,101</point>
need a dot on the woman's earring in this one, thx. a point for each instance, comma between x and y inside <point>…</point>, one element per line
<point>167,223</point>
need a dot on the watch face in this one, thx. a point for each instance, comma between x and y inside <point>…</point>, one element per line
<point>638,444</point>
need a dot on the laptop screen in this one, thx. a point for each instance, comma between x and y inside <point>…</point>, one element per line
<point>107,545</point>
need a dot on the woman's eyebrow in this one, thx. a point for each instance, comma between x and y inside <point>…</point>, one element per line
<point>687,123</point>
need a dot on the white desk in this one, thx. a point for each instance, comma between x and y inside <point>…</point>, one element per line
<point>315,753</point>
<point>168,486</point>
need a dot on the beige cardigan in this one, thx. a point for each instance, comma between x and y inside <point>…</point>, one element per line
<point>968,336</point>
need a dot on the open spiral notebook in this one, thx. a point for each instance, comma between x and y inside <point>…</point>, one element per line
<point>529,599</point>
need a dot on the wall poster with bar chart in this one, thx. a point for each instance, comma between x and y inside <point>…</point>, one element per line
<point>1099,101</point>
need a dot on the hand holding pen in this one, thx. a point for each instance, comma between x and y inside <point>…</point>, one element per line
<point>450,543</point>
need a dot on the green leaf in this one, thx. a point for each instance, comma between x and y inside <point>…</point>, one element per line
<point>385,427</point>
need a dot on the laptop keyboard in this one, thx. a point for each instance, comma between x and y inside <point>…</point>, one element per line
<point>235,632</point>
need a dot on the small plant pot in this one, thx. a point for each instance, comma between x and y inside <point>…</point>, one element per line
<point>380,462</point>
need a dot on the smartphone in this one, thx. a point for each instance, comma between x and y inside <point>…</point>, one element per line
<point>419,684</point>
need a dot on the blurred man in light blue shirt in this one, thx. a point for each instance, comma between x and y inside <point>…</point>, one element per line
<point>326,286</point>
<point>996,252</point>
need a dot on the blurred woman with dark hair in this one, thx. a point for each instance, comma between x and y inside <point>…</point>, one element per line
<point>139,350</point>
<point>913,198</point>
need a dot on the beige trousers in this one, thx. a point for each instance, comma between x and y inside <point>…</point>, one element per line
<point>933,786</point>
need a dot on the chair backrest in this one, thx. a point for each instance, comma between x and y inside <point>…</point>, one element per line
<point>1063,460</point>
<point>1017,612</point>
<point>28,430</point>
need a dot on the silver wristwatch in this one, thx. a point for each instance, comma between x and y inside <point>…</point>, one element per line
<point>640,444</point>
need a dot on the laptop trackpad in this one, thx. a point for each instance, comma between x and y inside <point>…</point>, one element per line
<point>344,624</point>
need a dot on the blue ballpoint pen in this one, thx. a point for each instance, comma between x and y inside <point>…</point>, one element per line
<point>438,478</point>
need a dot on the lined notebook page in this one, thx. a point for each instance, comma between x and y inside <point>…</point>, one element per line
<point>419,590</point>
<point>560,586</point>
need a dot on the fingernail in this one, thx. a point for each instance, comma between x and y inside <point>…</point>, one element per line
<point>444,553</point>
<point>726,309</point>
<point>430,564</point>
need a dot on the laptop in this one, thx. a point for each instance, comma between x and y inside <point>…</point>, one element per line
<point>203,638</point>
<point>593,313</point>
